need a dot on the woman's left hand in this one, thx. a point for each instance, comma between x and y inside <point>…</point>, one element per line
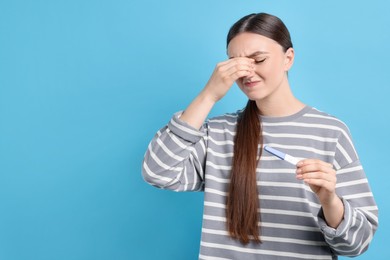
<point>321,177</point>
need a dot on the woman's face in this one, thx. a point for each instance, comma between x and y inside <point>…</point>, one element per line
<point>271,65</point>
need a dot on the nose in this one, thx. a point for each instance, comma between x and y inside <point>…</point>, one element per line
<point>248,77</point>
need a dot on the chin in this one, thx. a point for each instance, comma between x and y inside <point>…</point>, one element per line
<point>255,97</point>
<point>255,94</point>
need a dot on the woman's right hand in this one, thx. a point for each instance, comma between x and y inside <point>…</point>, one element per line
<point>225,74</point>
<point>222,79</point>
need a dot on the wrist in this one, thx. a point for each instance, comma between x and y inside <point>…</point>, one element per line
<point>330,201</point>
<point>208,97</point>
<point>333,211</point>
<point>198,110</point>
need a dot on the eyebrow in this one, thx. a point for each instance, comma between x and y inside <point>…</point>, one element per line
<point>253,54</point>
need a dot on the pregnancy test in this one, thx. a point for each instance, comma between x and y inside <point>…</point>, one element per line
<point>281,155</point>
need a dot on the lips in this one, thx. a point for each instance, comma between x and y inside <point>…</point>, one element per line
<point>251,84</point>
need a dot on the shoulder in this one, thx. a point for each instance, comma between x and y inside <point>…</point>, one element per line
<point>338,131</point>
<point>316,116</point>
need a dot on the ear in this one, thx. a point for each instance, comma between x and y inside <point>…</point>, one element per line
<point>289,59</point>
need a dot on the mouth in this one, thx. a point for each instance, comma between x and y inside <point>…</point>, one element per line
<point>251,84</point>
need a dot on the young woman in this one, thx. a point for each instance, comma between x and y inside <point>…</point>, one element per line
<point>257,206</point>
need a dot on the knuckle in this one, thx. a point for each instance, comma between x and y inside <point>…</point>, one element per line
<point>240,74</point>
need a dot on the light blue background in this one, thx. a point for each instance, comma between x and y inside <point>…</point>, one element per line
<point>84,86</point>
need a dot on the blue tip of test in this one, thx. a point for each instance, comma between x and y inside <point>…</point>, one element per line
<point>275,152</point>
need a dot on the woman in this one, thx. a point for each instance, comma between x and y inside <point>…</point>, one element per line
<point>257,206</point>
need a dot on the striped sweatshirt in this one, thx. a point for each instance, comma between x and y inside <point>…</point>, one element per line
<point>182,158</point>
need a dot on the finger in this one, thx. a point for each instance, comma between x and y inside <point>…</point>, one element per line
<point>321,183</point>
<point>232,73</point>
<point>239,74</point>
<point>318,175</point>
<point>313,161</point>
<point>235,72</point>
<point>228,77</point>
<point>315,167</point>
<point>235,62</point>
<point>239,68</point>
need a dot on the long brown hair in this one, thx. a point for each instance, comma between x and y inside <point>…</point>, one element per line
<point>242,203</point>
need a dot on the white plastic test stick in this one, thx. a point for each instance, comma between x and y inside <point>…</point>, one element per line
<point>281,155</point>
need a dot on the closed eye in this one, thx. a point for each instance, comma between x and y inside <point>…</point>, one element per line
<point>260,60</point>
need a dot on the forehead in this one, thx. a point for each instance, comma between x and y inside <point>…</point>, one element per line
<point>245,44</point>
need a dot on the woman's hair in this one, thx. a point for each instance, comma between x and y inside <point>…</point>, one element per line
<point>242,203</point>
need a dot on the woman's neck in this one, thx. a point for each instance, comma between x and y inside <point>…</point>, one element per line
<point>280,104</point>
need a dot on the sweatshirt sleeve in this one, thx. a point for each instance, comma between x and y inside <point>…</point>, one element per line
<point>354,234</point>
<point>175,157</point>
